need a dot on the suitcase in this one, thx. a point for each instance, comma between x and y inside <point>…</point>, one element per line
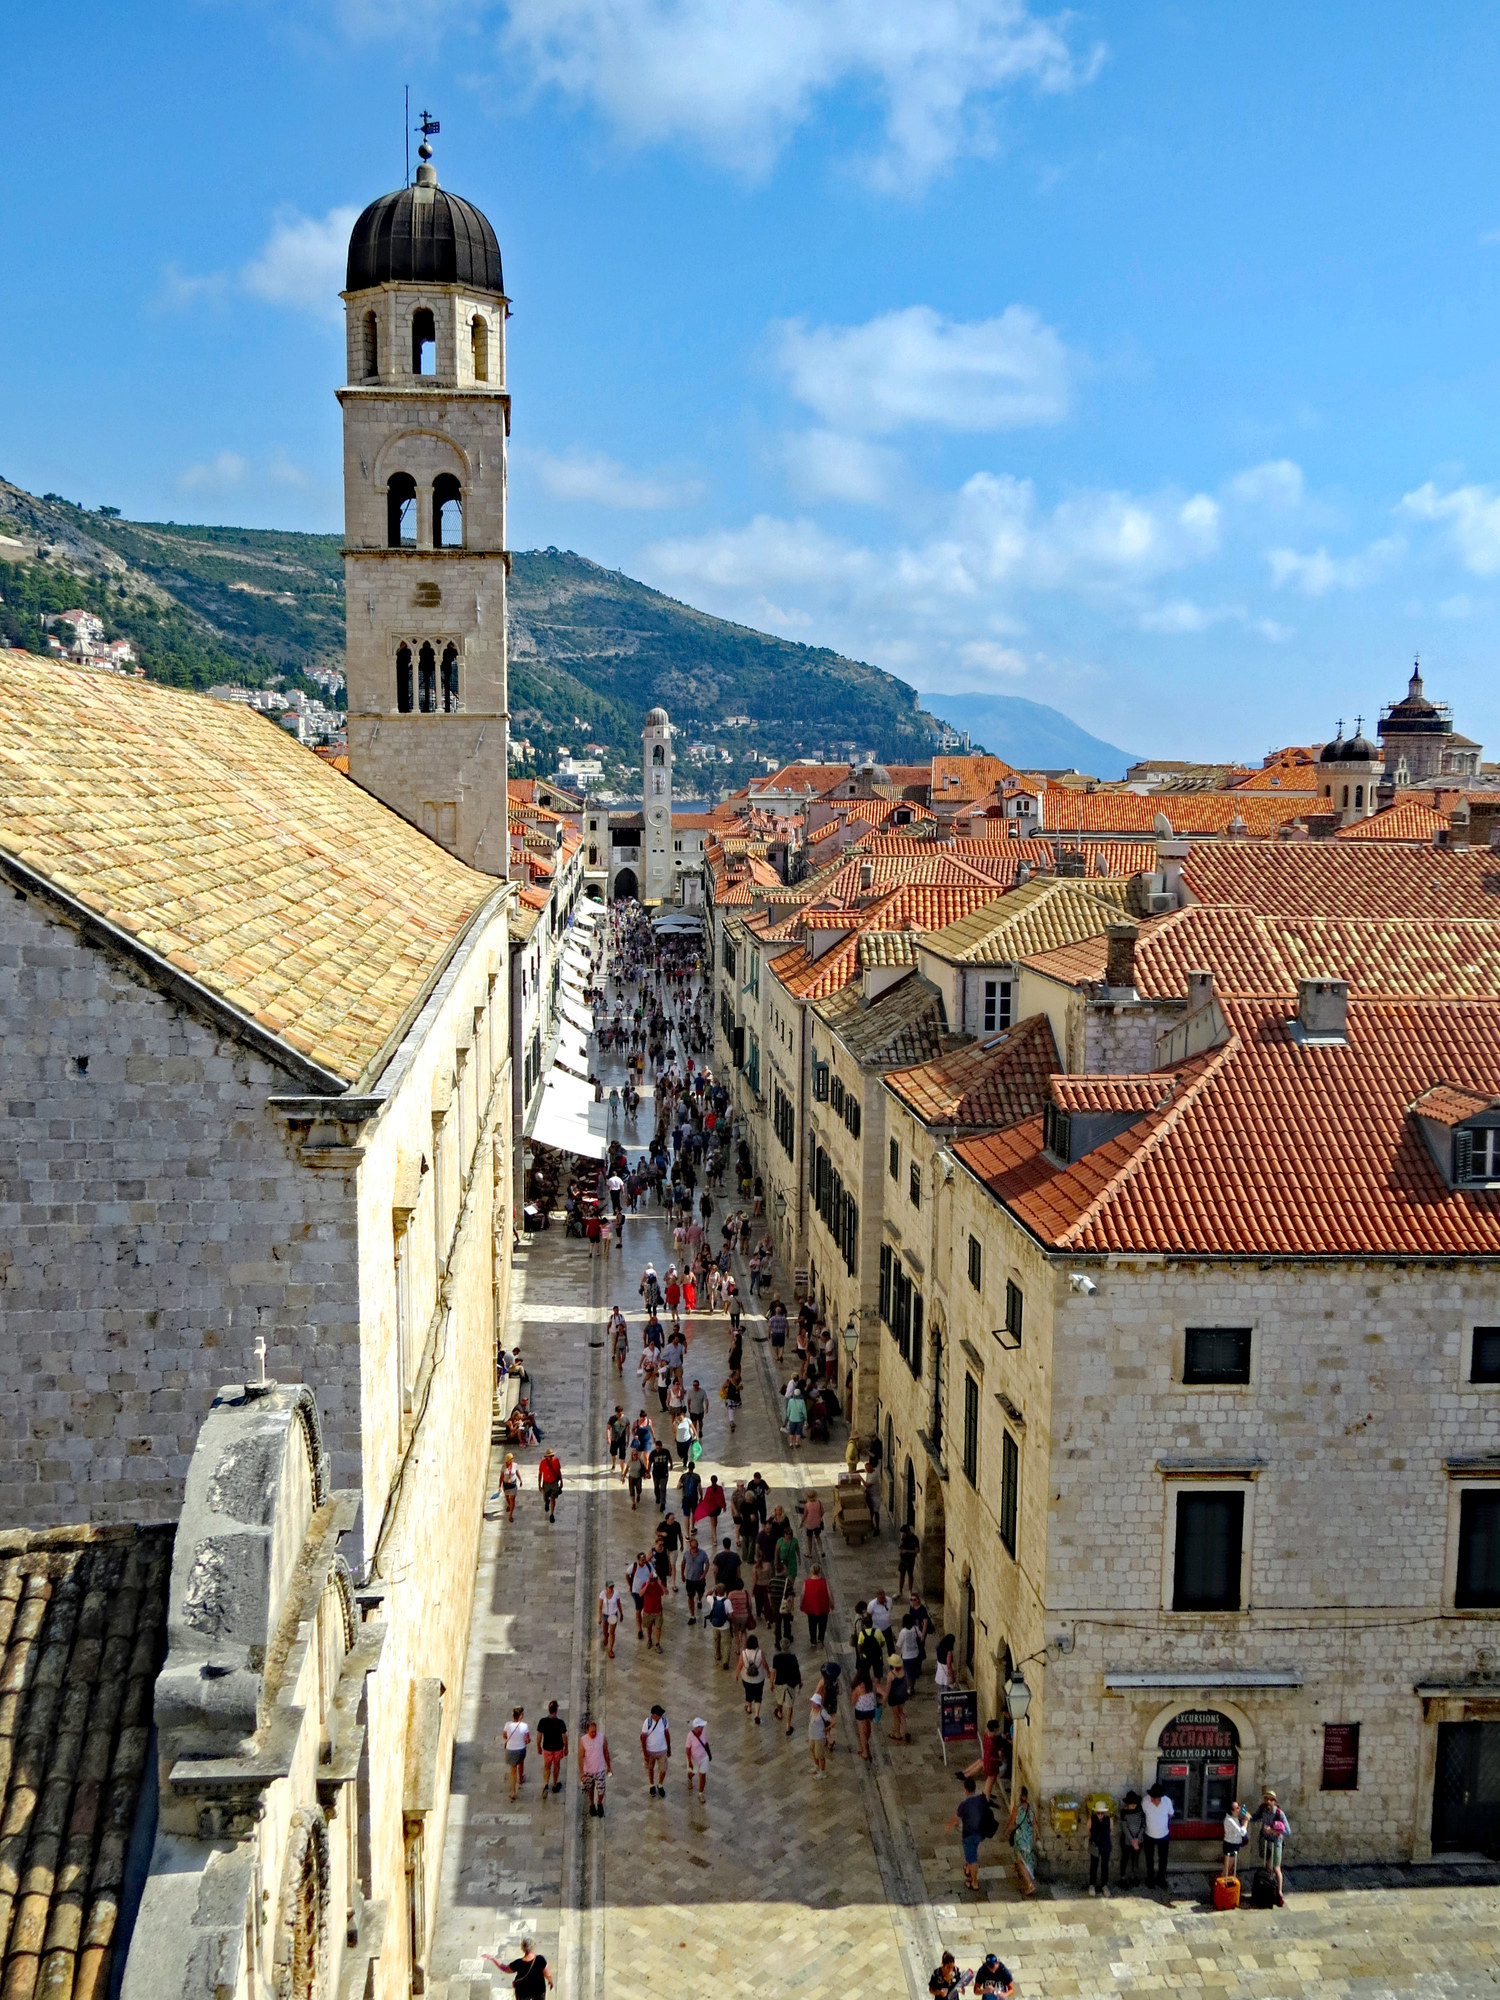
<point>1227,1892</point>
<point>1263,1890</point>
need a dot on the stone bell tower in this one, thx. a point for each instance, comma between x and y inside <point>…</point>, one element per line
<point>426,418</point>
<point>656,807</point>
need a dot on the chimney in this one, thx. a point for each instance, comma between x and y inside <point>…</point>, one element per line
<point>1458,825</point>
<point>1200,990</point>
<point>1023,872</point>
<point>1119,964</point>
<point>867,875</point>
<point>1322,1010</point>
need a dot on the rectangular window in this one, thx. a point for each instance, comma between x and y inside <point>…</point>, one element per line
<point>901,1310</point>
<point>914,1358</point>
<point>1010,1490</point>
<point>851,1236</point>
<point>1057,1131</point>
<point>1476,1153</point>
<point>1210,1541</point>
<point>820,1083</point>
<point>852,1114</point>
<point>895,1154</point>
<point>971,1430</point>
<point>1216,1354</point>
<point>914,1185</point>
<point>976,1263</point>
<point>885,1284</point>
<point>1340,1757</point>
<point>1484,1363</point>
<point>1015,1310</point>
<point>1478,1550</point>
<point>996,1005</point>
<point>836,1095</point>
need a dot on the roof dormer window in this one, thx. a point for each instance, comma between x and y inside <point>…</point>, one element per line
<point>1057,1131</point>
<point>1476,1154</point>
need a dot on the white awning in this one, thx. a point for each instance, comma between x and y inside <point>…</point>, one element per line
<point>588,913</point>
<point>562,1117</point>
<point>572,1052</point>
<point>576,1014</point>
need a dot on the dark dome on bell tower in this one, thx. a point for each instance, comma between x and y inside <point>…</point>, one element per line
<point>423,235</point>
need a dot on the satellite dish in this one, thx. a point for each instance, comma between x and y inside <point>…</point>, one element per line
<point>1162,826</point>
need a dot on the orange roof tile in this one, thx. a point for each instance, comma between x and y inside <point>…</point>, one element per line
<point>1447,1106</point>
<point>957,780</point>
<point>1336,878</point>
<point>1412,819</point>
<point>1187,812</point>
<point>1271,1147</point>
<point>986,1085</point>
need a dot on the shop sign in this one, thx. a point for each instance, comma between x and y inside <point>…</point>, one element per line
<point>958,1715</point>
<point>1199,1736</point>
<point>1341,1757</point>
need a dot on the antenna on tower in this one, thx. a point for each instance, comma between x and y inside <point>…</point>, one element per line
<point>406,131</point>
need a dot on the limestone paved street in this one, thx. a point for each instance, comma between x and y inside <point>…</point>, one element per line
<point>781,1883</point>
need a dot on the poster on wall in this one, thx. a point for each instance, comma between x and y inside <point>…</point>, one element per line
<point>958,1717</point>
<point>1341,1757</point>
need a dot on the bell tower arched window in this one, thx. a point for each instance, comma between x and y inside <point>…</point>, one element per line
<point>372,345</point>
<point>447,512</point>
<point>403,680</point>
<point>401,512</point>
<point>479,342</point>
<point>423,342</point>
<point>656,756</point>
<point>450,679</point>
<point>427,679</point>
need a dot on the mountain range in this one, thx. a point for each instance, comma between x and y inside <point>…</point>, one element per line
<point>591,649</point>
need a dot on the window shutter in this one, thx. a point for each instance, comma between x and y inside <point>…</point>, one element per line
<point>1463,1155</point>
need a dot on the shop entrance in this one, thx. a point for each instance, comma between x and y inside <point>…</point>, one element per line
<point>1466,1787</point>
<point>1198,1767</point>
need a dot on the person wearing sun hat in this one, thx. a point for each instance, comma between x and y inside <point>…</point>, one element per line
<point>699,1756</point>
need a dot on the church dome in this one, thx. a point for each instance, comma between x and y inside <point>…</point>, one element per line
<point>423,235</point>
<point>657,719</point>
<point>1333,752</point>
<point>1414,713</point>
<point>1359,750</point>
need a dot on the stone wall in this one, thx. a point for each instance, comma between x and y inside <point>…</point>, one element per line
<point>153,1223</point>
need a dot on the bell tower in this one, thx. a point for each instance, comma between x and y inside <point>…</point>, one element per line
<point>426,419</point>
<point>657,874</point>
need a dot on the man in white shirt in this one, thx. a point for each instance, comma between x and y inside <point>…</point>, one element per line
<point>1159,1811</point>
<point>880,1611</point>
<point>656,1748</point>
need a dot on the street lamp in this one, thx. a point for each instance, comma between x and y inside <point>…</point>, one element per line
<point>1017,1696</point>
<point>851,1337</point>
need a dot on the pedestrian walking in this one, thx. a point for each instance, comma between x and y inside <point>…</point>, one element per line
<point>786,1678</point>
<point>619,1440</point>
<point>517,1736</point>
<point>739,1616</point>
<point>510,1484</point>
<point>530,1975</point>
<point>796,1418</point>
<point>816,1604</point>
<point>990,1764</point>
<point>751,1673</point>
<point>660,1465</point>
<point>864,1700</point>
<point>1101,1842</point>
<point>651,1611</point>
<point>635,1478</point>
<point>611,1611</point>
<point>697,1405</point>
<point>687,1435</point>
<point>694,1577</point>
<point>970,1819</point>
<point>549,1477</point>
<point>1020,1830</point>
<point>817,1736</point>
<point>897,1693</point>
<point>642,1572</point>
<point>669,1540</point>
<point>908,1547</point>
<point>552,1739</point>
<point>734,1396</point>
<point>829,1684</point>
<point>699,1756</point>
<point>812,1524</point>
<point>716,1619</point>
<point>656,1749</point>
<point>594,1766</point>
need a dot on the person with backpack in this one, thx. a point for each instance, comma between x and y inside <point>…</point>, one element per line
<point>1274,1829</point>
<point>970,1819</point>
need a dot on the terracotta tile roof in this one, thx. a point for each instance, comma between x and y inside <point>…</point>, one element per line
<point>1112,1093</point>
<point>1269,1147</point>
<point>1002,856</point>
<point>231,852</point>
<point>1041,914</point>
<point>1445,1105</point>
<point>902,1026</point>
<point>1188,812</point>
<point>1411,819</point>
<point>910,774</point>
<point>815,979</point>
<point>521,791</point>
<point>957,780</point>
<point>801,778</point>
<point>895,871</point>
<point>1397,958</point>
<point>535,899</point>
<point>986,1085</point>
<point>878,811</point>
<point>1336,878</point>
<point>1286,778</point>
<point>83,1620</point>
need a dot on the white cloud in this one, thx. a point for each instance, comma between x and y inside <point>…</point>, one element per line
<point>766,553</point>
<point>915,367</point>
<point>1100,537</point>
<point>988,657</point>
<point>1316,574</point>
<point>302,262</point>
<point>600,481</point>
<point>1182,615</point>
<point>822,465</point>
<point>1277,483</point>
<point>736,78</point>
<point>217,475</point>
<point>1473,513</point>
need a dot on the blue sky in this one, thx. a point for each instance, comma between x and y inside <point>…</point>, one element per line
<point>1141,360</point>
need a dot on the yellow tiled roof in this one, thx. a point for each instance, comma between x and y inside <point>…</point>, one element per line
<point>231,852</point>
<point>1060,910</point>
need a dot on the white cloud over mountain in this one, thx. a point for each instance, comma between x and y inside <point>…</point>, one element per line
<point>598,480</point>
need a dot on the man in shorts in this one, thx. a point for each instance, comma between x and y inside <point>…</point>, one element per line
<point>594,1767</point>
<point>552,1736</point>
<point>669,1538</point>
<point>656,1748</point>
<point>694,1577</point>
<point>549,1478</point>
<point>619,1440</point>
<point>611,1611</point>
<point>517,1735</point>
<point>651,1607</point>
<point>697,1405</point>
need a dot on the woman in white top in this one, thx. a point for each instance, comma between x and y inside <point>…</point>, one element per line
<point>517,1735</point>
<point>699,1756</point>
<point>611,1611</point>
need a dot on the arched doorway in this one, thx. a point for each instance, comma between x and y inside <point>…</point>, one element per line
<point>934,1560</point>
<point>909,1496</point>
<point>627,888</point>
<point>591,893</point>
<point>1198,1767</point>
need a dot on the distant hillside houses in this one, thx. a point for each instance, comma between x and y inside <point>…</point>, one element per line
<point>87,645</point>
